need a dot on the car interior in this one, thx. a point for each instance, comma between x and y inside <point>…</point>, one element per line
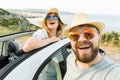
<point>13,53</point>
<point>59,58</point>
<point>12,49</point>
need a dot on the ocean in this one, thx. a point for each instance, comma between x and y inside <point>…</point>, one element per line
<point>112,22</point>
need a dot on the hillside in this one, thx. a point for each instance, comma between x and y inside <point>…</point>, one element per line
<point>12,23</point>
<point>6,14</point>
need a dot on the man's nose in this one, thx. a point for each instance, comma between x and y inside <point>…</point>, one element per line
<point>81,38</point>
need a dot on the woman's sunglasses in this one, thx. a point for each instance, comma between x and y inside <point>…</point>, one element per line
<point>54,17</point>
<point>88,34</point>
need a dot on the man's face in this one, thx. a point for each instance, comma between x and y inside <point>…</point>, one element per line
<point>86,45</point>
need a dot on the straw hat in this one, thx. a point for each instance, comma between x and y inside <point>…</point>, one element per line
<point>82,18</point>
<point>52,10</point>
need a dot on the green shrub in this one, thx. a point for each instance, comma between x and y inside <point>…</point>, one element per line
<point>111,38</point>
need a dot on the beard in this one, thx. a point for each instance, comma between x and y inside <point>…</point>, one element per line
<point>86,58</point>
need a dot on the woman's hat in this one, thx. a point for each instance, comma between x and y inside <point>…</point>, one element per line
<point>52,10</point>
<point>82,18</point>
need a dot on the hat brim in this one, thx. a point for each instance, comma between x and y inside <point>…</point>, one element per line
<point>100,26</point>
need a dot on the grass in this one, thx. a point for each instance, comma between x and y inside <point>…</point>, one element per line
<point>110,49</point>
<point>4,31</point>
<point>24,37</point>
<point>112,52</point>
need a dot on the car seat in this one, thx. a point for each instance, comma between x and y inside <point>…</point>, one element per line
<point>13,48</point>
<point>3,61</point>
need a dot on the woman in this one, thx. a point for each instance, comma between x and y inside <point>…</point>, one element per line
<point>51,32</point>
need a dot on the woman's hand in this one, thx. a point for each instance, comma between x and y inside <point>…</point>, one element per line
<point>61,36</point>
<point>54,39</point>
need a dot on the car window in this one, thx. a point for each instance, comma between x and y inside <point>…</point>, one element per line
<point>54,69</point>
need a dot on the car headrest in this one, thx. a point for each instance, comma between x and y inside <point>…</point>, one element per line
<point>13,47</point>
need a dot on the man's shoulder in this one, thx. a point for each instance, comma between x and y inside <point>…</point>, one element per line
<point>116,66</point>
<point>114,72</point>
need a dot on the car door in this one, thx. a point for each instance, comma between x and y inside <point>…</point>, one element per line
<point>54,67</point>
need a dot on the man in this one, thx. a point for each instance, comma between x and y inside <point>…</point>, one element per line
<point>86,62</point>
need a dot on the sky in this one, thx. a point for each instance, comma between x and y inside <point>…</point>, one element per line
<point>75,6</point>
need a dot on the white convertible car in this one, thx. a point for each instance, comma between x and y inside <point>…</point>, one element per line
<point>15,66</point>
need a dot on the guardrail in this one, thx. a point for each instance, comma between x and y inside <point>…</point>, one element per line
<point>15,35</point>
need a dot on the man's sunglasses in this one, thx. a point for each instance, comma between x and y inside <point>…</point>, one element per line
<point>54,17</point>
<point>88,34</point>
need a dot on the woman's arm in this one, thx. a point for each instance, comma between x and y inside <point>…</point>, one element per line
<point>34,43</point>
